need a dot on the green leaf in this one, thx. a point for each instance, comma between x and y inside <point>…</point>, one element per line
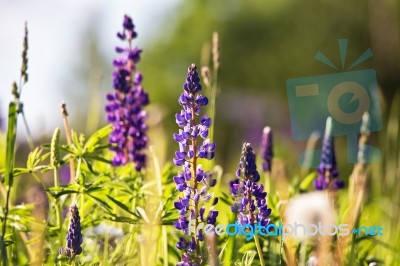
<point>56,192</point>
<point>248,258</point>
<point>98,158</point>
<point>121,205</point>
<point>247,247</point>
<point>96,137</point>
<point>307,181</point>
<point>20,171</point>
<point>100,202</point>
<point>122,219</point>
<point>76,143</point>
<point>8,243</point>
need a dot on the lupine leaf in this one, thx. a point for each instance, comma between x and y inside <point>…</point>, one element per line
<point>121,205</point>
<point>306,183</point>
<point>96,137</point>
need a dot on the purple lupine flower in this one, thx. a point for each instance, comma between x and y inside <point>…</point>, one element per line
<point>193,181</point>
<point>74,236</point>
<point>328,174</point>
<point>266,150</point>
<point>125,104</point>
<point>250,198</point>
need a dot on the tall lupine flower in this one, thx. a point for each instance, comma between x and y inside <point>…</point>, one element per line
<point>74,236</point>
<point>327,170</point>
<point>193,181</point>
<point>266,150</point>
<point>125,105</point>
<point>250,198</point>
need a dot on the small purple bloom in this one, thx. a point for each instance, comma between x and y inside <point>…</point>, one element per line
<point>125,105</point>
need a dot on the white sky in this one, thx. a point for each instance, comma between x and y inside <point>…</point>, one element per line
<point>55,29</point>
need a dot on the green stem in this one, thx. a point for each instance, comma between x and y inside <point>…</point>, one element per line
<point>3,247</point>
<point>9,177</point>
<point>58,208</point>
<point>28,133</point>
<point>81,183</point>
<point>195,184</point>
<point>267,184</point>
<point>259,250</point>
<point>165,244</point>
<point>213,95</point>
<point>253,220</point>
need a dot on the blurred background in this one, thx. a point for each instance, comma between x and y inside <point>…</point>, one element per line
<point>262,44</point>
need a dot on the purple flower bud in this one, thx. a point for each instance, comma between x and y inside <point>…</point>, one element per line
<point>74,237</point>
<point>201,236</point>
<point>327,170</point>
<point>215,201</point>
<point>266,149</point>
<point>182,244</point>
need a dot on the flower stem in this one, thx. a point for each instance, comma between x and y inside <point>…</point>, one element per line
<point>196,204</point>
<point>58,207</point>
<point>253,221</point>
<point>69,139</point>
<point>267,184</point>
<point>58,212</point>
<point>259,250</point>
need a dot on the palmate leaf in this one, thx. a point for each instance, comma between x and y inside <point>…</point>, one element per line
<point>35,158</point>
<point>93,142</point>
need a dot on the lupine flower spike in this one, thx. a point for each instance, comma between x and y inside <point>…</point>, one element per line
<point>74,236</point>
<point>266,150</point>
<point>125,105</point>
<point>250,198</point>
<point>193,181</point>
<point>327,170</point>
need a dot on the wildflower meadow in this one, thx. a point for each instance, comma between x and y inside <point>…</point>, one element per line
<point>119,195</point>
